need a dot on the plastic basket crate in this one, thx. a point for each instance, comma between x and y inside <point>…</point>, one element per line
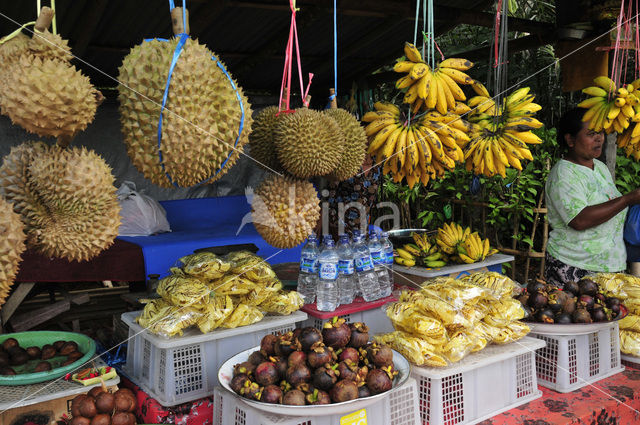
<point>630,361</point>
<point>410,276</point>
<point>483,384</point>
<point>181,369</point>
<point>569,362</point>
<point>372,313</point>
<point>400,407</point>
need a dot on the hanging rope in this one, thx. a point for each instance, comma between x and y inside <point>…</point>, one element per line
<point>498,70</point>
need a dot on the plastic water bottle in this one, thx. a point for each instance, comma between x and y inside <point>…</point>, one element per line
<point>387,247</point>
<point>307,278</point>
<point>379,259</point>
<point>327,290</point>
<point>367,279</point>
<point>346,271</point>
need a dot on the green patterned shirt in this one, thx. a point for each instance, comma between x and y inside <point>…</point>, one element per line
<point>570,188</point>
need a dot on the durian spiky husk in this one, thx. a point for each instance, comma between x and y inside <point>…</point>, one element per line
<point>261,142</point>
<point>200,123</point>
<point>308,142</point>
<point>13,48</point>
<point>65,197</point>
<point>285,210</point>
<point>11,247</point>
<point>46,45</point>
<point>355,144</point>
<point>47,97</point>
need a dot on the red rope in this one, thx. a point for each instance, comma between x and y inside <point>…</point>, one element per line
<point>497,33</point>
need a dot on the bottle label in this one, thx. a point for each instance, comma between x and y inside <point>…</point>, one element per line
<point>378,257</point>
<point>308,265</point>
<point>389,256</point>
<point>328,271</point>
<point>363,264</point>
<point>346,267</point>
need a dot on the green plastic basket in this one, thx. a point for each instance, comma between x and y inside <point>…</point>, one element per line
<point>40,338</point>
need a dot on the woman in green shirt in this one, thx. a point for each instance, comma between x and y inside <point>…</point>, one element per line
<point>585,210</point>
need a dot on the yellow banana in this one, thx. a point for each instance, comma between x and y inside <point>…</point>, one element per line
<point>454,88</point>
<point>456,63</point>
<point>404,82</point>
<point>432,97</point>
<point>375,126</point>
<point>374,115</point>
<point>412,53</point>
<point>411,95</point>
<point>390,144</point>
<point>388,107</point>
<point>404,262</point>
<point>381,136</point>
<point>515,97</point>
<point>456,75</point>
<point>441,100</point>
<point>403,66</point>
<point>606,83</point>
<point>400,148</point>
<point>423,85</point>
<point>405,254</point>
<point>418,71</point>
<point>480,89</point>
<point>591,101</point>
<point>595,91</point>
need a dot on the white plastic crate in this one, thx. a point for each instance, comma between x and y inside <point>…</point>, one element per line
<point>181,369</point>
<point>569,362</point>
<point>376,319</point>
<point>399,407</point>
<point>483,384</point>
<point>630,361</point>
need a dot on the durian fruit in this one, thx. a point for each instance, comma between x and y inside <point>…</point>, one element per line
<point>65,197</point>
<point>263,149</point>
<point>46,45</point>
<point>13,48</point>
<point>11,247</point>
<point>201,120</point>
<point>285,210</point>
<point>355,144</point>
<point>308,143</point>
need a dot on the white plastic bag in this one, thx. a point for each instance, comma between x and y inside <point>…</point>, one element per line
<point>140,215</point>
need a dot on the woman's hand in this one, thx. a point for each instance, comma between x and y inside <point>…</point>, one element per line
<point>595,215</point>
<point>633,197</point>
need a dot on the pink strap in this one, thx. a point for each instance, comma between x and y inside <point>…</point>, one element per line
<point>496,35</point>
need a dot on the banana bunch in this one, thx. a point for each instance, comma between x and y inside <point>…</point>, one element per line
<point>500,140</point>
<point>629,139</point>
<point>610,108</point>
<point>422,252</point>
<point>418,150</point>
<point>474,249</point>
<point>450,236</point>
<point>437,88</point>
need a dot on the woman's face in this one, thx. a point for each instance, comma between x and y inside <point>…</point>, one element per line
<point>587,144</point>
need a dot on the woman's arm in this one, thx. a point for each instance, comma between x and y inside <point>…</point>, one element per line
<point>594,215</point>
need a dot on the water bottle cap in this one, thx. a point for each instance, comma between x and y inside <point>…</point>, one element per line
<point>329,242</point>
<point>344,238</point>
<point>327,238</point>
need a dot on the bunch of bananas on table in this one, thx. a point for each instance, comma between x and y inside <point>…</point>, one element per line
<point>446,319</point>
<point>422,252</point>
<point>501,133</point>
<point>210,291</point>
<point>437,88</point>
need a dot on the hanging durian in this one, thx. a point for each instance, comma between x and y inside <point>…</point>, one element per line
<point>308,143</point>
<point>205,123</point>
<point>285,210</point>
<point>41,91</point>
<point>65,197</point>
<point>355,144</point>
<point>261,139</point>
<point>11,247</point>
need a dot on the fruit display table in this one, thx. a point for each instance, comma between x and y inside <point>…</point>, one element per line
<point>613,400</point>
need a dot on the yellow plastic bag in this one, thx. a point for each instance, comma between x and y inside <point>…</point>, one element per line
<point>460,344</point>
<point>436,307</point>
<point>630,343</point>
<point>284,303</point>
<point>415,349</point>
<point>231,284</point>
<point>183,290</point>
<point>214,313</point>
<point>205,265</point>
<point>243,315</point>
<point>171,321</point>
<point>253,268</point>
<point>500,285</point>
<point>630,323</point>
<point>407,317</point>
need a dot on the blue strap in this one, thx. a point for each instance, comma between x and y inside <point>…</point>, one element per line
<point>333,96</point>
<point>335,48</point>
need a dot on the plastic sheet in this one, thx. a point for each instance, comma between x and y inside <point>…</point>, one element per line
<point>140,215</point>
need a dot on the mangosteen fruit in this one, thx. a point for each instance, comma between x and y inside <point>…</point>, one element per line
<point>126,391</point>
<point>571,287</point>
<point>74,355</point>
<point>336,333</point>
<point>294,398</point>
<point>534,287</point>
<point>252,391</point>
<point>246,368</point>
<point>58,345</point>
<point>68,348</point>
<point>349,353</point>
<point>581,315</point>
<point>563,318</point>
<point>266,373</point>
<point>599,315</point>
<point>586,301</point>
<point>281,364</point>
<point>319,355</point>
<point>43,366</point>
<point>4,359</point>
<point>344,390</point>
<point>80,420</point>
<point>256,358</point>
<point>48,352</point>
<point>538,300</point>
<point>524,298</point>
<point>318,397</point>
<point>569,305</point>
<point>88,407</point>
<point>545,316</point>
<point>7,371</point>
<point>600,298</point>
<point>267,344</point>
<point>34,353</point>
<point>612,301</point>
<point>380,354</point>
<point>378,381</point>
<point>587,287</point>
<point>75,405</point>
<point>297,357</point>
<point>101,419</point>
<point>105,402</point>
<point>297,374</point>
<point>96,391</point>
<point>359,335</point>
<point>9,343</point>
<point>239,381</point>
<point>18,356</point>
<point>308,337</point>
<point>556,300</point>
<point>271,394</point>
<point>363,391</point>
<point>125,402</point>
<point>324,377</point>
<point>286,346</point>
<point>123,418</point>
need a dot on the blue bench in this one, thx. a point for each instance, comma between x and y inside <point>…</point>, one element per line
<point>201,223</point>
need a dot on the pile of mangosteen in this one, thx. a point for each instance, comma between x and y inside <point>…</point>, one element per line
<point>313,367</point>
<point>100,407</point>
<point>578,302</point>
<point>15,360</point>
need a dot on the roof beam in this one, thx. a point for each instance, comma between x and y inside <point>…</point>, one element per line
<point>84,32</point>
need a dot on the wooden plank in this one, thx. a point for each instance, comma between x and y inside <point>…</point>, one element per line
<point>19,294</point>
<point>24,322</point>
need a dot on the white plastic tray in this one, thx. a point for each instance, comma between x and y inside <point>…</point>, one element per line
<point>225,374</point>
<point>457,268</point>
<point>568,329</point>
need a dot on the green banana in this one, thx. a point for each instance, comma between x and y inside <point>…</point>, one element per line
<point>433,257</point>
<point>435,264</point>
<point>412,249</point>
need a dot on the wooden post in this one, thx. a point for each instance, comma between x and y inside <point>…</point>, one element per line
<point>333,101</point>
<point>176,21</point>
<point>610,153</point>
<point>44,19</point>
